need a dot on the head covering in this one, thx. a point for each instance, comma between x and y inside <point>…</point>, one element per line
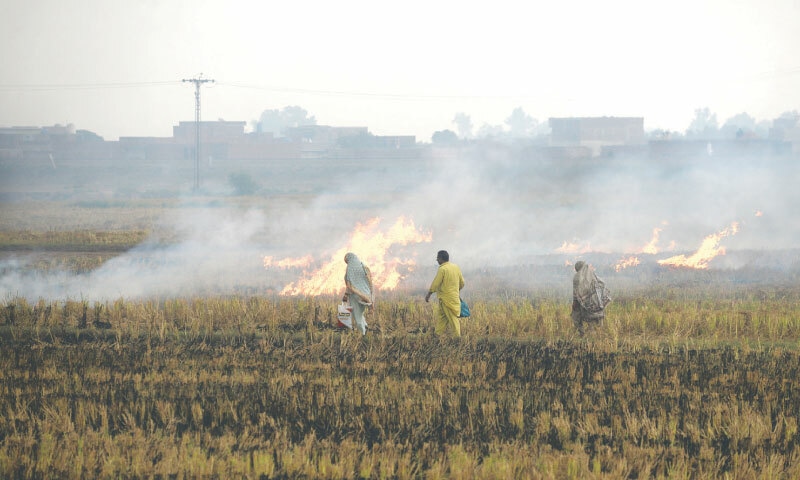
<point>356,274</point>
<point>589,290</point>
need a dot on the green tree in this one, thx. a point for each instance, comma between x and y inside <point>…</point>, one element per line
<point>520,124</point>
<point>491,131</point>
<point>738,126</point>
<point>277,121</point>
<point>793,116</point>
<point>704,124</point>
<point>242,183</point>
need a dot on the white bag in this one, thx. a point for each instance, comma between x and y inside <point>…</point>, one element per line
<point>345,315</point>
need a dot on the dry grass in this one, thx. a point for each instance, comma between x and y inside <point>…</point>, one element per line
<point>265,387</point>
<point>75,241</point>
<point>694,382</point>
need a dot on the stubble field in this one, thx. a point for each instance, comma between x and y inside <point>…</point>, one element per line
<point>266,387</point>
<point>690,379</point>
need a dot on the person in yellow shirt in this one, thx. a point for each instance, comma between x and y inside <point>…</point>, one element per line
<point>447,286</point>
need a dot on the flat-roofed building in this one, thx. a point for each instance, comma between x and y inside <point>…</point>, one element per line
<point>596,132</point>
<point>210,131</point>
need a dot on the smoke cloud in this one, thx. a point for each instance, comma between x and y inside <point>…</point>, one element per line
<point>508,217</point>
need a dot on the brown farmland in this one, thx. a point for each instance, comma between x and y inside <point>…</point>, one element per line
<point>265,387</point>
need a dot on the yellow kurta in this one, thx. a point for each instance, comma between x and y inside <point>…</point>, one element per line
<point>446,285</point>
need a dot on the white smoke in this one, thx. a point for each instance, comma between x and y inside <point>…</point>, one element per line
<point>489,207</point>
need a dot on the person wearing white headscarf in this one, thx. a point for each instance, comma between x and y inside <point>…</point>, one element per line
<point>589,297</point>
<point>358,290</point>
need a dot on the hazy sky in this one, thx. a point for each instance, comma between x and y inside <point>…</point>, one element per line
<point>400,68</point>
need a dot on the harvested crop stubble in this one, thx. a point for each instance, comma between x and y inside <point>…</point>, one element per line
<point>221,387</point>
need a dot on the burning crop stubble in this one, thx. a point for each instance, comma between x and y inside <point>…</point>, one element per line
<point>491,207</point>
<point>180,356</point>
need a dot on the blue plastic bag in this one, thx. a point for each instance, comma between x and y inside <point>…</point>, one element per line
<point>464,309</point>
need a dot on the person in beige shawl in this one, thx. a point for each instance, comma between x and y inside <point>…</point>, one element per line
<point>589,297</point>
<point>359,291</point>
<point>447,286</point>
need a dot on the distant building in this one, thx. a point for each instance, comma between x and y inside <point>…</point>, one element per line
<point>396,141</point>
<point>323,134</point>
<point>318,140</point>
<point>227,141</point>
<point>693,150</point>
<point>35,143</point>
<point>143,149</point>
<point>352,142</point>
<point>20,133</point>
<point>597,132</point>
<point>210,131</point>
<point>787,129</point>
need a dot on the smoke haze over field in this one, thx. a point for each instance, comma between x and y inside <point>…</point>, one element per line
<point>494,209</point>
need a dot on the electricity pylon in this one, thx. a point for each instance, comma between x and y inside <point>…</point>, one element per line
<point>197,82</point>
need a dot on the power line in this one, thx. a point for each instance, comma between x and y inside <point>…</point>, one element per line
<point>773,74</point>
<point>343,93</point>
<point>80,86</point>
<point>776,73</point>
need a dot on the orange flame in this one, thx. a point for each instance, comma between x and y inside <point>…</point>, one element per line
<point>298,262</point>
<point>650,248</point>
<point>708,250</point>
<point>573,248</point>
<point>371,246</point>
<point>651,245</point>
<point>631,261</point>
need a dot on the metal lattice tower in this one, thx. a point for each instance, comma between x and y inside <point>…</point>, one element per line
<point>197,83</point>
